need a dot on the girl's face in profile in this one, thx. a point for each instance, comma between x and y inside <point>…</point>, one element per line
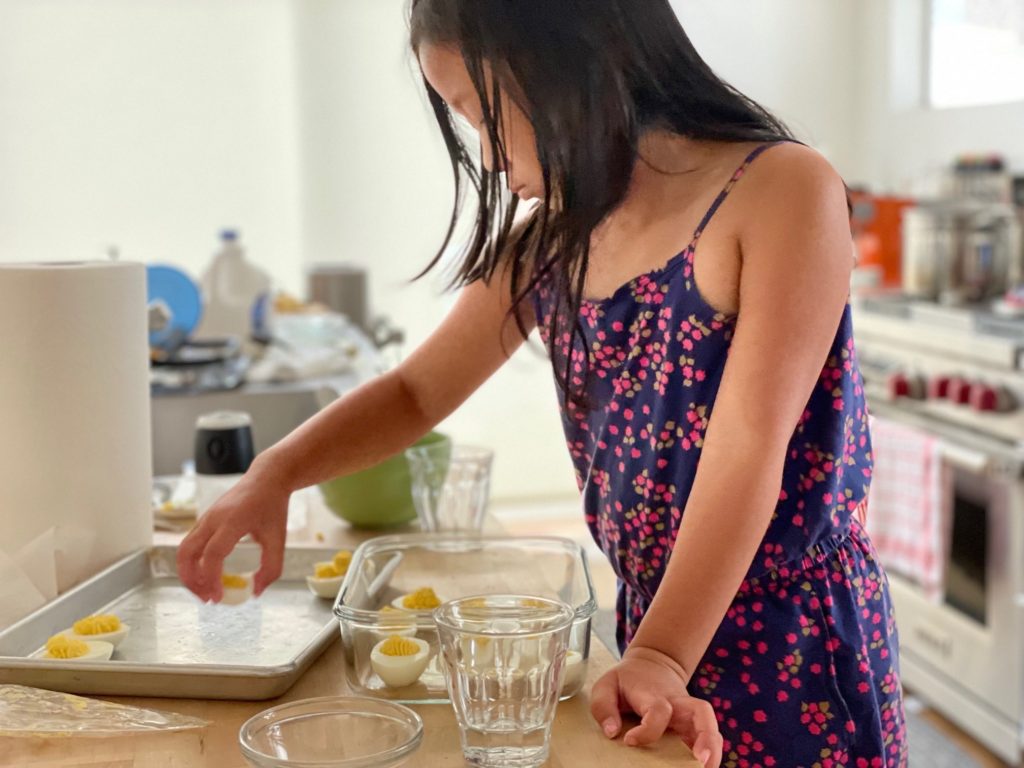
<point>446,72</point>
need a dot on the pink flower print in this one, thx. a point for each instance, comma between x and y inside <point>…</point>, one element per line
<point>809,627</point>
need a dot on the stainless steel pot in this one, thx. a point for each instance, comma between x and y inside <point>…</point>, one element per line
<point>957,251</point>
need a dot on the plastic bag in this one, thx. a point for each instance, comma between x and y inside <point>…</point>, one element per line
<point>32,712</point>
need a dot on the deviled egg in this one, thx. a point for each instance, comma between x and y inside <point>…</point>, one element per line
<point>237,588</point>
<point>423,600</point>
<point>399,661</point>
<point>65,648</point>
<point>106,628</point>
<point>327,576</point>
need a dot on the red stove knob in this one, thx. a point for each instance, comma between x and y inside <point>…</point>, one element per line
<point>991,399</point>
<point>960,391</point>
<point>899,386</point>
<point>983,398</point>
<point>938,387</point>
<point>902,385</point>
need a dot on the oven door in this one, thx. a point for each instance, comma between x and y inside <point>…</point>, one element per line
<point>972,638</point>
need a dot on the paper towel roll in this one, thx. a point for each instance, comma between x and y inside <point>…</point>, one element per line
<point>75,455</point>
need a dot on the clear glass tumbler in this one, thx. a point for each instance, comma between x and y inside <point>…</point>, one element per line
<point>451,486</point>
<point>504,659</point>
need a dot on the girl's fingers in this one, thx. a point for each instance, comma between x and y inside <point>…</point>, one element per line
<point>271,560</point>
<point>190,553</point>
<point>218,547</point>
<point>604,704</point>
<point>656,714</point>
<point>708,749</point>
<point>695,721</point>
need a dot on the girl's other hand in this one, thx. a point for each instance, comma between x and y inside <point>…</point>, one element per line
<point>653,686</point>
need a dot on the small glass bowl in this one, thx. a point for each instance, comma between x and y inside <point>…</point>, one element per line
<point>332,732</point>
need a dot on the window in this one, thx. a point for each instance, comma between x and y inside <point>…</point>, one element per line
<point>976,52</point>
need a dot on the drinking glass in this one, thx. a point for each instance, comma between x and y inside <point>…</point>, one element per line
<point>504,659</point>
<point>450,486</point>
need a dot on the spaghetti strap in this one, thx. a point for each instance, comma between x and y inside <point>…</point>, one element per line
<point>727,189</point>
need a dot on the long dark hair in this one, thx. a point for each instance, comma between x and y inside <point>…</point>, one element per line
<point>592,76</point>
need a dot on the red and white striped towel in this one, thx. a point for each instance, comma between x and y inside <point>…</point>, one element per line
<point>907,506</point>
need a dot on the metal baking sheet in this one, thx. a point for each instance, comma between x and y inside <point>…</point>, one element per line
<point>178,647</point>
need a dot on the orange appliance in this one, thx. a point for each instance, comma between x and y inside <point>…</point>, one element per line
<point>876,222</point>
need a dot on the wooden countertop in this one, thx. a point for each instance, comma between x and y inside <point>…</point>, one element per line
<point>576,740</point>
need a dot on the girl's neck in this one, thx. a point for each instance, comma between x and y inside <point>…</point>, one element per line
<point>668,166</point>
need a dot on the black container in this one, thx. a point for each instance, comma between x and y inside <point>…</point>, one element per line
<point>224,444</point>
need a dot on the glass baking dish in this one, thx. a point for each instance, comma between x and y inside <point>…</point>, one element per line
<point>383,570</point>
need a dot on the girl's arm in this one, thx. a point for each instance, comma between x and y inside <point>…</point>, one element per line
<point>391,412</point>
<point>793,290</point>
<point>366,426</point>
<point>794,286</point>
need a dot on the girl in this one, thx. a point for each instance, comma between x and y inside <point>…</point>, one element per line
<point>687,264</point>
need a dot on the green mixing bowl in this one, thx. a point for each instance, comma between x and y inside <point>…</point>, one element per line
<point>378,497</point>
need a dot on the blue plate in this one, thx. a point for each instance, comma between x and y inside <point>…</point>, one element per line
<point>179,296</point>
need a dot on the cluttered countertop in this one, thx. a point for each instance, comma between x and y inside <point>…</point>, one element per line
<point>576,740</point>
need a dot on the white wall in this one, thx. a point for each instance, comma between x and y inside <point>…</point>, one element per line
<point>848,75</point>
<point>904,144</point>
<point>798,58</point>
<point>148,124</point>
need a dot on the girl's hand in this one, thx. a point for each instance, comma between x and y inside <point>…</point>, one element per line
<point>654,687</point>
<point>257,506</point>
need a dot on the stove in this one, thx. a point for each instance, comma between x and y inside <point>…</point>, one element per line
<point>958,374</point>
<point>960,366</point>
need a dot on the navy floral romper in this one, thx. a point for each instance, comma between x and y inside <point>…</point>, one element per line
<point>803,670</point>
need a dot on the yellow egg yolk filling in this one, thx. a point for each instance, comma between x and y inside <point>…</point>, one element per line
<point>64,647</point>
<point>342,560</point>
<point>399,646</point>
<point>326,571</point>
<point>233,581</point>
<point>532,603</point>
<point>97,625</point>
<point>421,600</point>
